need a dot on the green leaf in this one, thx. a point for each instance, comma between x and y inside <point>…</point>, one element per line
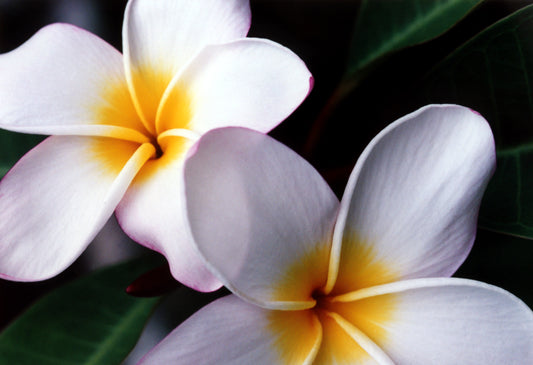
<point>4,169</point>
<point>89,321</point>
<point>501,260</point>
<point>506,207</point>
<point>13,146</point>
<point>383,27</point>
<point>493,74</point>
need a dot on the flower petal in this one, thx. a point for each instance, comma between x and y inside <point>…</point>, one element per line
<point>444,321</point>
<point>160,37</point>
<point>231,331</point>
<point>56,199</point>
<point>411,204</point>
<point>253,83</point>
<point>152,213</point>
<point>62,80</point>
<point>342,343</point>
<point>261,216</point>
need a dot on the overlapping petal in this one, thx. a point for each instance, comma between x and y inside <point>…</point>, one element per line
<point>98,93</point>
<point>252,83</point>
<point>231,331</point>
<point>160,37</point>
<point>410,207</point>
<point>57,198</point>
<point>64,80</point>
<point>152,213</point>
<point>343,343</point>
<point>445,321</point>
<point>261,216</point>
<point>255,209</point>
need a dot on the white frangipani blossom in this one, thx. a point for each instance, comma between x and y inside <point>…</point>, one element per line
<point>363,281</point>
<point>121,126</point>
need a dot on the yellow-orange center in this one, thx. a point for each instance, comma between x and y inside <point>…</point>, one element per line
<point>332,331</point>
<point>344,322</point>
<point>166,126</point>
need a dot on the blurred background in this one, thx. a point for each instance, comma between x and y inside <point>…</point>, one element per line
<point>320,32</point>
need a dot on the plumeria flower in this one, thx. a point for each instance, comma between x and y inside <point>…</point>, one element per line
<point>363,281</point>
<point>122,125</point>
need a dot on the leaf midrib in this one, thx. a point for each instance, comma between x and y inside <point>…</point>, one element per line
<point>105,346</point>
<point>400,38</point>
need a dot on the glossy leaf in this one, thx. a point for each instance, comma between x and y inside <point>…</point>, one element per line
<point>501,260</point>
<point>493,74</point>
<point>3,169</point>
<point>88,321</point>
<point>13,146</point>
<point>383,27</point>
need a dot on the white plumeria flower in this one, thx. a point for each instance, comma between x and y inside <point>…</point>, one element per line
<point>123,124</point>
<point>365,281</point>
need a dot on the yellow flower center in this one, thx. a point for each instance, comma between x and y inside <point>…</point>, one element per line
<point>161,120</point>
<point>346,316</point>
<point>335,330</point>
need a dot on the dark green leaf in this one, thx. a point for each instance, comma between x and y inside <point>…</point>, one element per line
<point>3,170</point>
<point>89,321</point>
<point>383,27</point>
<point>507,204</point>
<point>501,260</point>
<point>493,74</point>
<point>13,146</point>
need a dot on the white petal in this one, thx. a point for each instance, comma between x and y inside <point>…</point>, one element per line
<point>411,204</point>
<point>446,321</point>
<point>231,331</point>
<point>261,216</point>
<point>62,80</point>
<point>152,213</point>
<point>160,37</point>
<point>253,83</point>
<point>57,198</point>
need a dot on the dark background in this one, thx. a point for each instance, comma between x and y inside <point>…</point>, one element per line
<point>319,31</point>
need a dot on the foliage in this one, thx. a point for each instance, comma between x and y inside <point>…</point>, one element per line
<point>88,321</point>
